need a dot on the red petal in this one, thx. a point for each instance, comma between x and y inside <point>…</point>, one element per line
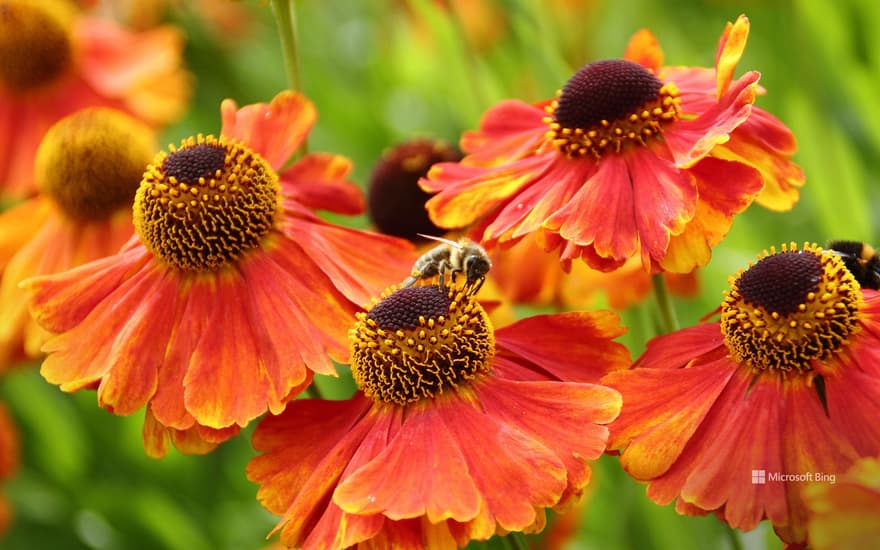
<point>510,130</point>
<point>274,130</point>
<point>226,383</point>
<point>575,347</point>
<point>60,302</point>
<point>359,263</point>
<point>318,181</point>
<point>422,471</point>
<point>602,212</point>
<point>700,343</point>
<point>662,410</point>
<point>853,397</point>
<point>691,140</point>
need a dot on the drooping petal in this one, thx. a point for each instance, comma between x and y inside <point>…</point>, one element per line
<point>602,213</point>
<point>394,482</point>
<point>665,201</point>
<point>579,412</point>
<point>359,263</point>
<point>698,345</point>
<point>573,347</point>
<point>60,302</point>
<point>274,130</point>
<point>226,383</point>
<point>318,182</point>
<point>510,130</point>
<point>659,417</point>
<point>464,193</point>
<point>725,189</point>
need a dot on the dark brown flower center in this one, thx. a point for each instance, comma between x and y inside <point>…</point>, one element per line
<point>35,43</point>
<point>205,204</point>
<point>419,342</point>
<point>791,308</point>
<point>92,161</point>
<point>608,104</point>
<point>395,202</point>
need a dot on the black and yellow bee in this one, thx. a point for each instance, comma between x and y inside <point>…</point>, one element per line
<point>862,261</point>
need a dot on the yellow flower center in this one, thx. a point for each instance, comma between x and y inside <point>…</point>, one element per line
<point>35,43</point>
<point>418,342</point>
<point>608,104</point>
<point>790,308</point>
<point>91,162</point>
<point>203,205</point>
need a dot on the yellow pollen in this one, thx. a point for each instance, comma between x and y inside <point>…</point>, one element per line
<point>773,320</point>
<point>418,342</point>
<point>189,229</point>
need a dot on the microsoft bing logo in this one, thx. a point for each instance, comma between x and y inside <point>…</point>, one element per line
<point>759,477</point>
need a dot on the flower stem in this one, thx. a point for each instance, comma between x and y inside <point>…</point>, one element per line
<point>668,321</point>
<point>517,540</point>
<point>733,537</point>
<point>285,19</point>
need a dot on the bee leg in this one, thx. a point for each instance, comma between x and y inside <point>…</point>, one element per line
<point>409,282</point>
<point>478,285</point>
<point>441,270</point>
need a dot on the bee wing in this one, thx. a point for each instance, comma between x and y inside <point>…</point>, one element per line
<point>440,239</point>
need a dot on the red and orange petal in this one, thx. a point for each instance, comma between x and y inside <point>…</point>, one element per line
<point>56,243</point>
<point>138,73</point>
<point>217,351</point>
<point>689,409</point>
<point>337,490</point>
<point>845,513</point>
<point>326,467</point>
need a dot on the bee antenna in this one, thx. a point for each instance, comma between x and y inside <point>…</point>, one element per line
<point>439,239</point>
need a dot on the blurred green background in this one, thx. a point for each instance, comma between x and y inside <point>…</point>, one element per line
<point>384,71</point>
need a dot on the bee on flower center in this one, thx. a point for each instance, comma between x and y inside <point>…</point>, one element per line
<point>861,259</point>
<point>451,257</point>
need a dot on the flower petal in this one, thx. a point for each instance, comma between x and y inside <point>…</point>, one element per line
<point>226,382</point>
<point>572,347</point>
<point>510,130</point>
<point>644,49</point>
<point>691,140</point>
<point>730,49</point>
<point>274,130</point>
<point>318,182</point>
<point>422,471</point>
<point>725,189</point>
<point>661,413</point>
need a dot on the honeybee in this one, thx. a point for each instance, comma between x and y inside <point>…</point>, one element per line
<point>451,257</point>
<point>861,260</point>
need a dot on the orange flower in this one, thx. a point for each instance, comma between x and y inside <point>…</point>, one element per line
<point>459,432</point>
<point>529,275</point>
<point>624,162</point>
<point>233,292</point>
<point>783,387</point>
<point>88,167</point>
<point>54,61</point>
<point>844,512</point>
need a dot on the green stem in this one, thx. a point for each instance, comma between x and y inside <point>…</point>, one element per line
<point>668,321</point>
<point>313,391</point>
<point>285,19</point>
<point>733,537</point>
<point>517,540</point>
